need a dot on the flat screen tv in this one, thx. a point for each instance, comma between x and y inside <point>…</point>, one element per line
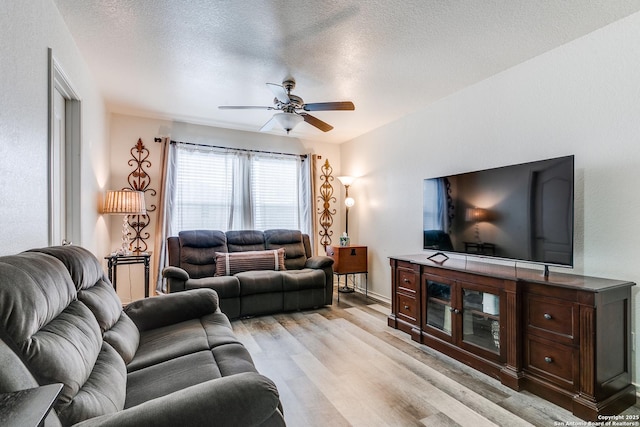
<point>520,212</point>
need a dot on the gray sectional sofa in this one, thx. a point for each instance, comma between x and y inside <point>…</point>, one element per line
<point>171,360</point>
<point>303,281</point>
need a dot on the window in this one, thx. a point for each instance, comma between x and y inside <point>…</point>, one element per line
<point>220,189</point>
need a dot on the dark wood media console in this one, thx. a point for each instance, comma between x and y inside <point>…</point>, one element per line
<point>566,338</point>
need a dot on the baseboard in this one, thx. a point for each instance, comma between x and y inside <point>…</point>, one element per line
<point>374,296</point>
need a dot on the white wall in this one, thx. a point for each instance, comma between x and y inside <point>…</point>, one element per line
<point>28,30</point>
<point>125,131</point>
<point>582,98</point>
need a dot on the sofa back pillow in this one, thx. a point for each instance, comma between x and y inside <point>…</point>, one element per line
<point>197,251</point>
<point>292,242</point>
<point>95,290</point>
<point>245,240</point>
<point>228,264</point>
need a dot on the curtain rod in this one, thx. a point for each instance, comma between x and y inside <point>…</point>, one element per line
<point>302,156</point>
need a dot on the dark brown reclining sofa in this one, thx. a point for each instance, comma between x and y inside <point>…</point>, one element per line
<point>242,267</point>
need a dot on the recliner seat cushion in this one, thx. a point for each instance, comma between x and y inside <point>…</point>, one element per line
<point>296,280</point>
<point>162,344</point>
<point>169,376</point>
<point>260,282</point>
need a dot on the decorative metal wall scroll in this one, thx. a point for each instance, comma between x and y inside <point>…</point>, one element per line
<point>139,180</point>
<point>325,198</point>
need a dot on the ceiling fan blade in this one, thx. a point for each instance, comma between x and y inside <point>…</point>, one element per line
<point>269,125</point>
<point>327,106</point>
<point>279,92</point>
<point>243,107</point>
<point>314,121</point>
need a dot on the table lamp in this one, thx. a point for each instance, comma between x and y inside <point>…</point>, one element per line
<point>124,202</point>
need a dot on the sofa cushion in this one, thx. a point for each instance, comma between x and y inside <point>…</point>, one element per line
<point>103,302</point>
<point>245,240</point>
<point>292,242</point>
<point>228,264</point>
<point>124,337</point>
<point>296,280</point>
<point>45,291</point>
<point>91,282</point>
<point>218,329</point>
<point>197,250</point>
<point>82,265</point>
<point>170,376</point>
<point>232,359</point>
<point>168,342</point>
<point>225,286</point>
<point>102,393</point>
<point>260,282</point>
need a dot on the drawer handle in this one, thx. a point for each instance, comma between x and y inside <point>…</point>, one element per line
<point>454,310</point>
<point>406,307</point>
<point>547,316</point>
<point>405,280</point>
<point>548,359</point>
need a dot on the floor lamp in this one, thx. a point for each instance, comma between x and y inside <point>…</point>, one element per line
<point>348,201</point>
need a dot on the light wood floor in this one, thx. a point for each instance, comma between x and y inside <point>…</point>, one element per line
<point>343,366</point>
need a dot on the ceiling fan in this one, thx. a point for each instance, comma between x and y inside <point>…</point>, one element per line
<point>293,109</point>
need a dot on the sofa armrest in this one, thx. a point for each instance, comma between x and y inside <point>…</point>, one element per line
<point>175,273</point>
<point>324,263</point>
<point>246,399</point>
<point>176,278</point>
<point>319,262</point>
<point>156,312</point>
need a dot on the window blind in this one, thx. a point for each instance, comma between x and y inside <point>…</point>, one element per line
<point>222,190</point>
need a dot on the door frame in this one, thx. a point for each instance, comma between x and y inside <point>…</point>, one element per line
<point>71,176</point>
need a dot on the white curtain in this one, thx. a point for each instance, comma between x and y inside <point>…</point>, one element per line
<point>305,189</point>
<point>165,207</point>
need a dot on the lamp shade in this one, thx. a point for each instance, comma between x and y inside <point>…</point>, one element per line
<point>288,120</point>
<point>124,202</point>
<point>476,215</point>
<point>346,180</point>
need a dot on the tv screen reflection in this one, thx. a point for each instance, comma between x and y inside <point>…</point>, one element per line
<point>521,212</point>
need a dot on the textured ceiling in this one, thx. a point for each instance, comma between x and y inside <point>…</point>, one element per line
<point>181,59</point>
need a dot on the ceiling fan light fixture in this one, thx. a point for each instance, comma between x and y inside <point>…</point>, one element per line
<point>288,120</point>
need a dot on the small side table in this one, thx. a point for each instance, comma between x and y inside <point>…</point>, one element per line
<point>349,260</point>
<point>113,261</point>
<point>26,408</point>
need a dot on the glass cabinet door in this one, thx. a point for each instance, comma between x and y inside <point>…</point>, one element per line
<point>481,319</point>
<point>439,306</point>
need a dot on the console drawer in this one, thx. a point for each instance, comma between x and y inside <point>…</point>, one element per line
<point>407,308</point>
<point>407,280</point>
<point>551,315</point>
<point>557,363</point>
